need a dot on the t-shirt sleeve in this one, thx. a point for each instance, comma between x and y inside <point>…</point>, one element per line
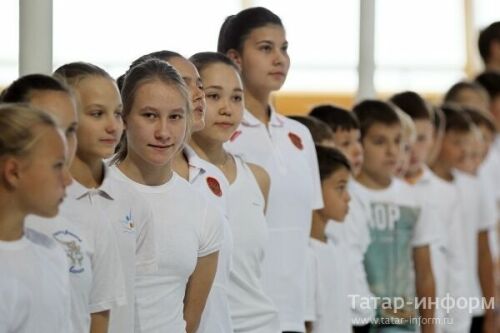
<point>145,254</point>
<point>488,210</point>
<point>14,307</point>
<point>312,159</point>
<point>108,285</point>
<point>212,231</point>
<point>425,232</point>
<point>311,286</point>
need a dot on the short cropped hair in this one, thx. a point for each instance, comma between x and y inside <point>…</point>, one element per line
<point>456,119</point>
<point>337,118</point>
<point>413,105</point>
<point>371,112</point>
<point>330,160</point>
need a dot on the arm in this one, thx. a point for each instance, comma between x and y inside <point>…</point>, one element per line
<point>485,271</point>
<point>197,290</point>
<point>425,287</point>
<point>99,322</point>
<point>263,180</point>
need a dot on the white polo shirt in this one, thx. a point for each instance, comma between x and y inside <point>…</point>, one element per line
<point>186,227</point>
<point>81,255</point>
<point>285,149</point>
<point>213,185</point>
<point>34,286</point>
<point>131,218</point>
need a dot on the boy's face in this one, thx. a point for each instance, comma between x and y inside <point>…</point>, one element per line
<point>335,195</point>
<point>422,146</point>
<point>473,155</point>
<point>348,142</point>
<point>454,148</point>
<point>382,147</point>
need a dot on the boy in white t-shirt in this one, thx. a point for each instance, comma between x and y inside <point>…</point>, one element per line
<point>328,306</point>
<point>346,137</point>
<point>446,252</point>
<point>398,232</point>
<point>475,224</point>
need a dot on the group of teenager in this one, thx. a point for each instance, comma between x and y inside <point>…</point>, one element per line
<point>176,199</point>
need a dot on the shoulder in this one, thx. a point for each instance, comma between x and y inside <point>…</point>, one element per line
<point>40,239</point>
<point>260,174</point>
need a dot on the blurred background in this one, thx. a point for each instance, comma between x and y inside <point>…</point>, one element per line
<point>423,45</point>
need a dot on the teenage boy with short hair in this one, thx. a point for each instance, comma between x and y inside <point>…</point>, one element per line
<point>397,234</point>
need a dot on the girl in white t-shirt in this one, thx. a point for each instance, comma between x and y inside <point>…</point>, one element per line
<point>206,178</point>
<point>251,309</point>
<point>100,127</point>
<point>157,115</point>
<point>255,40</point>
<point>92,258</point>
<point>33,268</point>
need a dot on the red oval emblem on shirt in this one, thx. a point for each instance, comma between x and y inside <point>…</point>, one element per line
<point>234,136</point>
<point>296,140</point>
<point>214,186</point>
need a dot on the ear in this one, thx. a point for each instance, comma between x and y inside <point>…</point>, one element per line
<point>235,57</point>
<point>11,172</point>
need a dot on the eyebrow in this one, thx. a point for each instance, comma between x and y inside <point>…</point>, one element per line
<point>220,88</point>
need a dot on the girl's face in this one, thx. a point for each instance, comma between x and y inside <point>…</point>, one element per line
<point>62,106</point>
<point>100,112</point>
<point>224,95</point>
<point>264,59</point>
<point>192,78</point>
<point>43,174</point>
<point>156,125</point>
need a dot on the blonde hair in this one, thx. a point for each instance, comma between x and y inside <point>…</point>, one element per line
<point>19,124</point>
<point>407,125</point>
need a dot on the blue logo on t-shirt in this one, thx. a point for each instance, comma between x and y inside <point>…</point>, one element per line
<point>71,244</point>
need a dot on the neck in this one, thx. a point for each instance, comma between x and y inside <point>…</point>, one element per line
<point>209,150</point>
<point>318,227</point>
<point>442,170</point>
<point>11,219</point>
<point>144,173</point>
<point>89,172</point>
<point>414,177</point>
<point>180,165</point>
<point>258,105</point>
<point>372,182</point>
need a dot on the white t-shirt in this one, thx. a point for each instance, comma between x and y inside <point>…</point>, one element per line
<point>447,253</point>
<point>285,149</point>
<point>186,227</point>
<point>80,255</point>
<point>132,220</point>
<point>357,238</point>
<point>328,300</point>
<point>398,222</point>
<point>34,286</point>
<point>213,185</point>
<point>474,221</point>
<point>252,311</point>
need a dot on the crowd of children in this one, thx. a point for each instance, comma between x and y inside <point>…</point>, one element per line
<point>177,199</point>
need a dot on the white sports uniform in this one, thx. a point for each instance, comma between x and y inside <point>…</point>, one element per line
<point>34,288</point>
<point>212,184</point>
<point>252,310</point>
<point>132,221</point>
<point>285,149</point>
<point>186,228</point>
